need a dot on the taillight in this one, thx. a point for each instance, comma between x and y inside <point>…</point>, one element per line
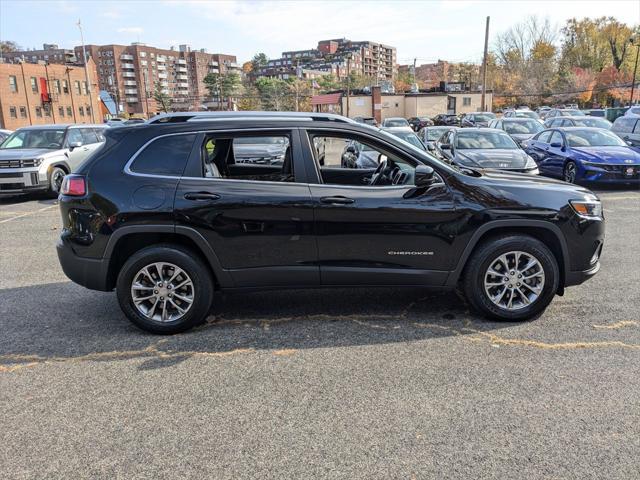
<point>74,185</point>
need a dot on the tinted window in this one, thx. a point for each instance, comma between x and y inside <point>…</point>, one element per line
<point>624,125</point>
<point>165,156</point>
<point>556,138</point>
<point>88,136</point>
<point>544,136</point>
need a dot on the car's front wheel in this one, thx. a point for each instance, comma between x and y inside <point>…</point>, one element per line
<point>570,172</point>
<point>165,289</point>
<point>511,278</point>
<point>56,176</point>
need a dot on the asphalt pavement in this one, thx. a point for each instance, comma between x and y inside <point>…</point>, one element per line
<point>378,383</point>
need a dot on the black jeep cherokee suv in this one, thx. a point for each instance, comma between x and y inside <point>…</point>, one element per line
<point>165,214</point>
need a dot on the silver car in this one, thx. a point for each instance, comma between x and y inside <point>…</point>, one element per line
<point>38,157</point>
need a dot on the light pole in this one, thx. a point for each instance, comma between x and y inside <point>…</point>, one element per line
<point>86,73</point>
<point>632,41</point>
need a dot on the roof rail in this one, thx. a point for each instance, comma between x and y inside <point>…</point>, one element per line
<point>178,117</point>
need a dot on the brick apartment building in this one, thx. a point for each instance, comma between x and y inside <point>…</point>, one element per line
<point>50,53</point>
<point>338,57</point>
<point>37,94</point>
<point>130,74</point>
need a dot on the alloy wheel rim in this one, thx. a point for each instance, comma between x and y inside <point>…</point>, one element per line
<point>162,292</point>
<point>570,173</point>
<point>514,280</point>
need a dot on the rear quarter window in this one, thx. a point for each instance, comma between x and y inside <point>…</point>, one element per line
<point>164,156</point>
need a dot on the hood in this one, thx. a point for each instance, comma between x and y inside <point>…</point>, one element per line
<point>514,180</point>
<point>610,155</point>
<point>24,153</point>
<point>493,158</point>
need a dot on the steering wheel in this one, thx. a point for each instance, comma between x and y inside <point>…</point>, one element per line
<point>378,175</point>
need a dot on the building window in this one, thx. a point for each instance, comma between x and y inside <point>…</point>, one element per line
<point>23,112</point>
<point>38,112</point>
<point>34,84</point>
<point>56,84</point>
<point>61,111</point>
<point>77,85</point>
<point>69,112</point>
<point>65,87</point>
<point>86,88</point>
<point>13,83</point>
<point>13,113</point>
<point>88,109</point>
<point>47,110</point>
<point>466,101</point>
<point>81,110</point>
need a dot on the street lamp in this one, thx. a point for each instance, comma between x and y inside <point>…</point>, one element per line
<point>632,41</point>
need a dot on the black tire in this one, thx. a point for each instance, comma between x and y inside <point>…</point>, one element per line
<point>473,285</point>
<point>184,259</point>
<point>56,175</point>
<point>570,172</point>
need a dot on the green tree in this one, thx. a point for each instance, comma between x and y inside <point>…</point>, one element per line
<point>274,94</point>
<point>7,46</point>
<point>163,100</point>
<point>258,61</point>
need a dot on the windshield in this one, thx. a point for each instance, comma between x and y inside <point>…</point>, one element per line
<point>434,134</point>
<point>593,138</point>
<point>526,114</point>
<point>409,137</point>
<point>482,117</point>
<point>396,122</point>
<point>46,138</point>
<point>523,127</point>
<point>593,122</point>
<point>572,113</point>
<point>484,140</point>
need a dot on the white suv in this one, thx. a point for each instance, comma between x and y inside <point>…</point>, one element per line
<point>38,157</point>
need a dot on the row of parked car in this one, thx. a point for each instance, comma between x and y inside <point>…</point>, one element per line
<point>568,144</point>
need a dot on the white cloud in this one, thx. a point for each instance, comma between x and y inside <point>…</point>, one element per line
<point>111,14</point>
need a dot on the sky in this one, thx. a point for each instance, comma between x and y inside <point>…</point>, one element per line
<point>424,29</point>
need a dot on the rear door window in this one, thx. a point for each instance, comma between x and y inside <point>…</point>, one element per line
<point>164,156</point>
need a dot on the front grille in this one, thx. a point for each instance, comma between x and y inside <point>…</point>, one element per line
<point>30,162</point>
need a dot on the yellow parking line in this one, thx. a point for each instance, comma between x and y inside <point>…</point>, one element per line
<point>27,214</point>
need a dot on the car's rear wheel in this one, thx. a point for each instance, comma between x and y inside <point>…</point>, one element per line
<point>570,172</point>
<point>165,289</point>
<point>511,278</point>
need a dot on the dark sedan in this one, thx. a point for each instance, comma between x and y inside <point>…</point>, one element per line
<point>484,148</point>
<point>417,123</point>
<point>446,119</point>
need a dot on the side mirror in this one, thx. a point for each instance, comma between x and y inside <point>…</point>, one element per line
<point>424,176</point>
<point>556,145</point>
<point>445,146</point>
<point>73,145</point>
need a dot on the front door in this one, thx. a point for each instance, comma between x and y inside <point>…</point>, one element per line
<point>382,234</point>
<point>76,154</point>
<point>241,194</point>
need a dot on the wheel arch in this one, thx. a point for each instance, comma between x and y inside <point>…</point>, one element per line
<point>547,233</point>
<point>125,241</point>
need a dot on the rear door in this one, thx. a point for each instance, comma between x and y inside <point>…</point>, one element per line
<point>256,216</point>
<point>378,234</point>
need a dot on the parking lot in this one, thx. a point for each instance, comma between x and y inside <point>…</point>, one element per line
<point>344,383</point>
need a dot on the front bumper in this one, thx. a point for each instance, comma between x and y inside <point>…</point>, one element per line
<point>622,174</point>
<point>576,278</point>
<point>21,180</point>
<point>91,273</point>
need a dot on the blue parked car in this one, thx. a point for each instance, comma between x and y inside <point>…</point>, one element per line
<point>583,154</point>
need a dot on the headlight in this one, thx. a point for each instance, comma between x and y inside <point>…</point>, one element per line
<point>587,208</point>
<point>38,161</point>
<point>531,163</point>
